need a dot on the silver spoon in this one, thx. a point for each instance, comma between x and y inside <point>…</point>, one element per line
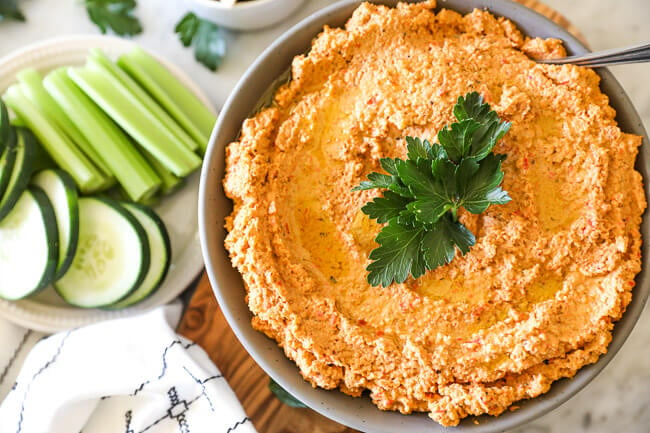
<point>618,56</point>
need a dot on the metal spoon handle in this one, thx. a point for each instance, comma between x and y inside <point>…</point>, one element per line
<point>619,56</point>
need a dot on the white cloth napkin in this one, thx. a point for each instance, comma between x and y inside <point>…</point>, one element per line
<point>122,376</point>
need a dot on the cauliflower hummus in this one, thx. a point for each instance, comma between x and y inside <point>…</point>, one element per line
<point>532,302</point>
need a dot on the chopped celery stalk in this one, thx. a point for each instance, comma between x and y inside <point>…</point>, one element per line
<point>130,168</point>
<point>62,150</point>
<point>32,86</point>
<point>98,61</point>
<point>169,182</point>
<point>187,101</point>
<point>129,113</point>
<point>177,99</point>
<point>17,121</point>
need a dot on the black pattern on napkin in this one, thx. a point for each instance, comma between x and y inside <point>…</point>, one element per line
<point>202,384</point>
<point>164,364</point>
<point>237,424</point>
<point>14,356</point>
<point>47,365</point>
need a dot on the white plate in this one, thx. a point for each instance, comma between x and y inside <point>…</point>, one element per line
<point>46,311</point>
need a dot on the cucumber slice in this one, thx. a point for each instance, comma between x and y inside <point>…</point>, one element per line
<point>42,159</point>
<point>20,173</point>
<point>28,246</point>
<point>62,192</point>
<point>5,127</point>
<point>160,248</point>
<point>7,159</point>
<point>112,256</point>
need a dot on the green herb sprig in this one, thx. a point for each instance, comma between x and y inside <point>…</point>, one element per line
<point>9,10</point>
<point>422,194</point>
<point>284,396</point>
<point>116,15</point>
<point>205,36</point>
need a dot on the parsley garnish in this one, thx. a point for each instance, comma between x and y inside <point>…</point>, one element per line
<point>209,45</point>
<point>9,10</point>
<point>284,396</point>
<point>116,15</point>
<point>422,194</point>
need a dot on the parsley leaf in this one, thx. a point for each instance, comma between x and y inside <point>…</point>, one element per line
<point>422,194</point>
<point>457,140</point>
<point>388,164</point>
<point>481,188</point>
<point>398,254</point>
<point>9,10</point>
<point>385,208</point>
<point>472,106</point>
<point>283,395</point>
<point>376,180</point>
<point>477,131</point>
<point>116,15</point>
<point>439,244</point>
<point>205,36</point>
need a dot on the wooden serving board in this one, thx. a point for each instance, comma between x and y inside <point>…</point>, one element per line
<point>204,323</point>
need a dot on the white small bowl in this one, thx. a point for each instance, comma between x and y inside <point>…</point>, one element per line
<point>246,15</point>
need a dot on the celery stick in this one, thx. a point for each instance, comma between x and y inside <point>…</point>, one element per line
<point>178,100</point>
<point>130,168</point>
<point>170,183</point>
<point>163,99</point>
<point>32,86</point>
<point>64,152</point>
<point>98,61</point>
<point>187,101</point>
<point>129,113</point>
<point>17,121</point>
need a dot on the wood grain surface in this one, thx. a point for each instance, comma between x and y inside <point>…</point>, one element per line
<point>204,323</point>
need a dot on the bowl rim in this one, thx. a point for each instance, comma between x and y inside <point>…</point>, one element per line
<point>267,358</point>
<point>240,5</point>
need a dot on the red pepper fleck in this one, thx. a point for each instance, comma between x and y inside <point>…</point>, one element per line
<point>563,83</point>
<point>362,322</point>
<point>379,333</point>
<point>525,163</point>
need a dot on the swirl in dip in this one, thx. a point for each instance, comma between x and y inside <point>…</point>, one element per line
<point>533,301</point>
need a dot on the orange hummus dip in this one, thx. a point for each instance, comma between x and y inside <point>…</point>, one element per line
<point>532,302</point>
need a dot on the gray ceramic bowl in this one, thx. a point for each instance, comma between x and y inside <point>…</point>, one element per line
<point>360,413</point>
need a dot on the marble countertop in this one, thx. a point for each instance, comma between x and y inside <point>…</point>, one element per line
<point>619,398</point>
